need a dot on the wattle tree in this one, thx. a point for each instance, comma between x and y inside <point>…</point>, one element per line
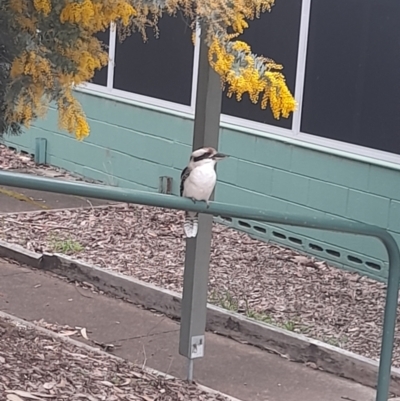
<point>47,47</point>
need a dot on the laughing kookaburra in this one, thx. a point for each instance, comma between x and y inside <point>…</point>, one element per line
<point>197,183</point>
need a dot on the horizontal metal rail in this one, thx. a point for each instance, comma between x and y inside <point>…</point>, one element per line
<point>238,211</point>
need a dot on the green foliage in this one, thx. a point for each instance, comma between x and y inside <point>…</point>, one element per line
<point>46,48</point>
<point>8,50</point>
<point>66,246</point>
<point>225,300</point>
<point>49,46</point>
<point>229,302</point>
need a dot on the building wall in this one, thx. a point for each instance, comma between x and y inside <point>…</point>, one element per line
<point>132,146</point>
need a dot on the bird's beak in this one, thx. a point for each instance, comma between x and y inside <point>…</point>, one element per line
<point>219,156</point>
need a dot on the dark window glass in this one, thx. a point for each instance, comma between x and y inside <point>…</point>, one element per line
<point>274,35</point>
<point>100,77</point>
<point>352,85</point>
<point>161,67</point>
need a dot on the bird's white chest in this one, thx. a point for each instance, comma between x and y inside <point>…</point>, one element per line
<point>200,183</point>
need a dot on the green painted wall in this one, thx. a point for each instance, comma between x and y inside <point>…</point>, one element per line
<point>132,146</point>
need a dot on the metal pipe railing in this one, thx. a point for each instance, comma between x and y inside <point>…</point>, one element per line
<point>223,209</point>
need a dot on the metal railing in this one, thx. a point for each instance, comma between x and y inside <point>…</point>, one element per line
<point>238,211</point>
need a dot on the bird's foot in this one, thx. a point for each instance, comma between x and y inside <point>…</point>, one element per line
<point>193,200</point>
<point>208,203</point>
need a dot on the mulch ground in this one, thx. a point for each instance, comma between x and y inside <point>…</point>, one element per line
<point>34,366</point>
<point>263,281</point>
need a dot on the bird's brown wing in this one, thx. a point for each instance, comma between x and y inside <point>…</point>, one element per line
<point>184,175</point>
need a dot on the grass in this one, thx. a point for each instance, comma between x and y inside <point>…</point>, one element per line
<point>336,342</point>
<point>262,317</point>
<point>289,325</point>
<point>230,302</point>
<point>226,301</point>
<point>66,246</point>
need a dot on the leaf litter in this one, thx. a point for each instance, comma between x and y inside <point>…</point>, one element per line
<point>261,280</point>
<point>39,367</point>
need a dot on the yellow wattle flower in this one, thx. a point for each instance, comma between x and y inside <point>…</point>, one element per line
<point>240,70</point>
<point>43,6</point>
<point>248,77</point>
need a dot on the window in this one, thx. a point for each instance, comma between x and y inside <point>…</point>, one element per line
<point>274,35</point>
<point>100,77</point>
<point>352,81</point>
<point>161,67</point>
<point>347,76</point>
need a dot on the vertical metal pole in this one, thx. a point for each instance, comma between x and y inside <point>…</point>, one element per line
<point>389,324</point>
<point>197,257</point>
<point>40,150</point>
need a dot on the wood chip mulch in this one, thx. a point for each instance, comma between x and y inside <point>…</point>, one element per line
<point>265,281</point>
<point>35,366</point>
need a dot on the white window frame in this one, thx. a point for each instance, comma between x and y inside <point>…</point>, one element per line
<point>293,135</point>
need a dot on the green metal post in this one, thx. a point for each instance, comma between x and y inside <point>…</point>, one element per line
<point>389,321</point>
<point>40,150</point>
<point>198,249</point>
<point>237,211</point>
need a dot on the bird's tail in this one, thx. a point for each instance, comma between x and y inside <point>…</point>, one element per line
<point>191,224</point>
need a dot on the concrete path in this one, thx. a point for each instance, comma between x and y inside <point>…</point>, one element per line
<point>239,370</point>
<point>14,200</point>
